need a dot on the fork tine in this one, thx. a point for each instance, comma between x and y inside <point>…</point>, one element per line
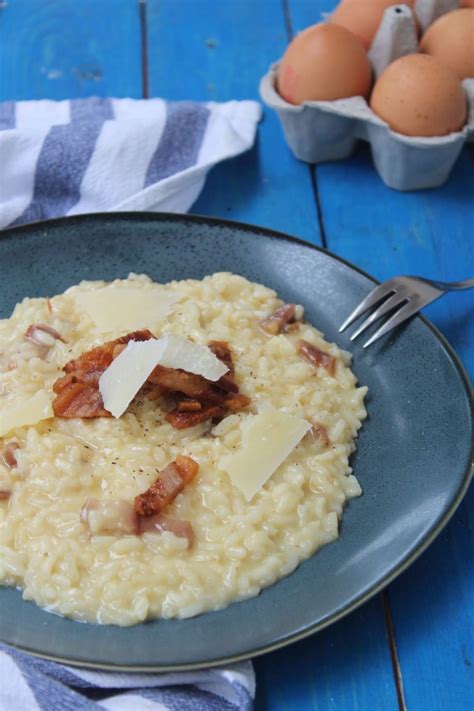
<point>376,295</point>
<point>391,303</point>
<point>409,309</point>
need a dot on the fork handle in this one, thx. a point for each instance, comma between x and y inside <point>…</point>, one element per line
<point>453,285</point>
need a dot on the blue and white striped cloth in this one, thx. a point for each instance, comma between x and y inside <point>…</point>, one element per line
<point>92,155</point>
<point>31,684</point>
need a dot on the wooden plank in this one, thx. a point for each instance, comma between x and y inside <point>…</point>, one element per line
<point>433,611</point>
<point>203,51</point>
<point>343,667</point>
<point>65,49</point>
<point>430,233</point>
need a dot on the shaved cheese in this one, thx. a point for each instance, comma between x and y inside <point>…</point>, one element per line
<point>26,412</point>
<point>126,374</point>
<point>267,440</point>
<point>115,310</point>
<point>187,355</point>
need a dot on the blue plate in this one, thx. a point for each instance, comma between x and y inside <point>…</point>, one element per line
<point>413,458</point>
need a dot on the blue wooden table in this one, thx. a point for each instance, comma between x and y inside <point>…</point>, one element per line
<point>412,646</point>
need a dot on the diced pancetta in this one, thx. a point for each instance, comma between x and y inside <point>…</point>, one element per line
<point>161,522</point>
<point>43,335</point>
<point>286,318</point>
<point>170,482</point>
<point>8,454</point>
<point>317,357</point>
<point>320,432</point>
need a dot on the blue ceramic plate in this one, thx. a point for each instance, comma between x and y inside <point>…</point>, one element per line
<point>413,457</point>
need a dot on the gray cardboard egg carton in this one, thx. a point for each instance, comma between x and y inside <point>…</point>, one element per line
<point>319,131</point>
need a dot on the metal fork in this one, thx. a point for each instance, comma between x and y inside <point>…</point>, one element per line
<point>406,295</point>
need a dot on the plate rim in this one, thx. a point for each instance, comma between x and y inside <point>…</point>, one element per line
<point>372,590</point>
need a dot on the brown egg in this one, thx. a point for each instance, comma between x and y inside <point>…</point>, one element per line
<point>323,63</point>
<point>451,40</point>
<point>418,96</point>
<point>363,17</point>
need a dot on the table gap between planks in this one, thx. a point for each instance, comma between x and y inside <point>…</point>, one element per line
<point>412,646</point>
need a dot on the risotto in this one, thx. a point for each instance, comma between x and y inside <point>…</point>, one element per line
<point>52,466</point>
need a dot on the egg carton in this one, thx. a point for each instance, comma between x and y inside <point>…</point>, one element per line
<point>321,131</point>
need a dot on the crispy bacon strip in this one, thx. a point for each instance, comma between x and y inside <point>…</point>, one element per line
<point>222,351</point>
<point>79,400</point>
<point>182,420</point>
<point>77,392</point>
<point>78,395</point>
<point>42,335</point>
<point>99,359</point>
<point>320,432</point>
<point>193,386</point>
<point>237,402</point>
<point>167,486</point>
<point>188,405</point>
<point>8,454</point>
<point>317,357</point>
<point>283,319</point>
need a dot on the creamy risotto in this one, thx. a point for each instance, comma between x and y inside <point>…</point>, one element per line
<point>51,467</point>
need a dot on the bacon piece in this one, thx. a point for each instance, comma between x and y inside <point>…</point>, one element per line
<point>194,386</point>
<point>98,359</point>
<point>42,335</point>
<point>222,351</point>
<point>78,395</point>
<point>77,392</point>
<point>282,320</point>
<point>237,402</point>
<point>167,486</point>
<point>317,357</point>
<point>79,400</point>
<point>188,405</point>
<point>162,522</point>
<point>320,432</point>
<point>113,517</point>
<point>182,420</point>
<point>5,494</point>
<point>8,454</point>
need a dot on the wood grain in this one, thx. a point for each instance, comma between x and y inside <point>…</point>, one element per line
<point>198,49</point>
<point>64,49</point>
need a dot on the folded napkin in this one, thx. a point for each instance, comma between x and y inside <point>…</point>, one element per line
<point>31,684</point>
<point>91,155</point>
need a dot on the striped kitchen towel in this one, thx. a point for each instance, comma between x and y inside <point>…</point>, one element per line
<point>91,155</point>
<point>31,684</point>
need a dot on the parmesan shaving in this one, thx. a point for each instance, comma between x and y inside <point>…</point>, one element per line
<point>28,412</point>
<point>267,440</point>
<point>129,371</point>
<point>117,310</point>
